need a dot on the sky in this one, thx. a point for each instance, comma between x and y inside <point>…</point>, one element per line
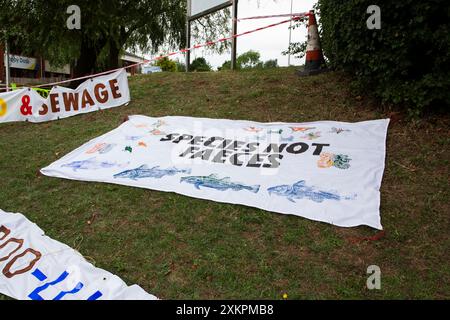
<point>270,42</point>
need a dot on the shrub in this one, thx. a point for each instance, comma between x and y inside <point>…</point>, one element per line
<point>200,65</point>
<point>406,62</point>
<point>166,64</point>
<point>271,64</point>
<point>181,67</point>
<point>226,66</point>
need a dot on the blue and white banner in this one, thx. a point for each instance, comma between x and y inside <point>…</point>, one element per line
<point>325,171</point>
<point>36,267</point>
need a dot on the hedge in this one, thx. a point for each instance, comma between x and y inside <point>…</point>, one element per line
<point>406,62</point>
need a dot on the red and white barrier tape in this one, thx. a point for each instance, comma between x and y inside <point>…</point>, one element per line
<point>209,43</point>
<point>304,14</point>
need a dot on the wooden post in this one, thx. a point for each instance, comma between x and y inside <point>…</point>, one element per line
<point>188,43</point>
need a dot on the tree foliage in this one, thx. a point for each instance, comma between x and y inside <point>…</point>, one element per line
<point>107,27</point>
<point>298,49</point>
<point>249,60</point>
<point>213,27</point>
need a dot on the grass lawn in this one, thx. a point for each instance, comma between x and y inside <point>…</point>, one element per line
<point>177,247</point>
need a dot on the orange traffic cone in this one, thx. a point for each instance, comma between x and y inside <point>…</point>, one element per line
<point>315,63</point>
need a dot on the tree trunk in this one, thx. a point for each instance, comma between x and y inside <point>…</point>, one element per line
<point>114,52</point>
<point>87,60</point>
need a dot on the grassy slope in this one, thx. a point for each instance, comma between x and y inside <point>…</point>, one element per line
<point>179,247</point>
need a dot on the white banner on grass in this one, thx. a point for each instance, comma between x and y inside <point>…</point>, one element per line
<point>97,93</point>
<point>36,267</point>
<point>325,171</point>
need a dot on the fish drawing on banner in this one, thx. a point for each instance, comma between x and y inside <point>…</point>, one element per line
<point>339,130</point>
<point>159,123</point>
<point>301,129</point>
<point>213,181</point>
<point>145,172</point>
<point>312,135</point>
<point>273,131</point>
<point>101,148</point>
<point>128,149</point>
<point>258,138</point>
<point>287,139</point>
<point>142,144</point>
<point>141,126</point>
<point>133,138</point>
<point>157,132</point>
<point>300,190</point>
<point>253,129</point>
<point>92,164</point>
